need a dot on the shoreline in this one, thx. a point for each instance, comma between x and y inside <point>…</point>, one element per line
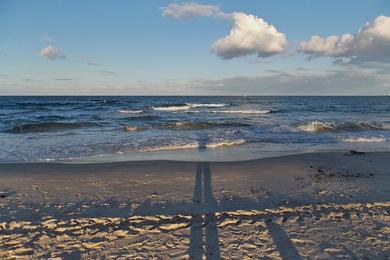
<point>316,205</point>
<point>151,157</point>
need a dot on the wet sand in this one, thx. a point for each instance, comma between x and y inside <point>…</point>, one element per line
<point>316,205</point>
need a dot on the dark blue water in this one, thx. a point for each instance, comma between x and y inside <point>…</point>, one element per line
<point>188,128</point>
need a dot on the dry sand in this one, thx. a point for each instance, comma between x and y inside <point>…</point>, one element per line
<point>316,206</point>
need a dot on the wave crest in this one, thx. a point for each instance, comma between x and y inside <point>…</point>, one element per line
<point>186,106</point>
<point>126,111</point>
<point>195,145</point>
<point>262,111</point>
<point>134,128</point>
<point>363,139</point>
<point>207,105</point>
<point>218,144</point>
<point>324,126</point>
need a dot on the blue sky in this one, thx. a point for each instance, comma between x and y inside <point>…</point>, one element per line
<point>132,47</point>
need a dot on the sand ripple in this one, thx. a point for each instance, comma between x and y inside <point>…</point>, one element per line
<point>322,231</point>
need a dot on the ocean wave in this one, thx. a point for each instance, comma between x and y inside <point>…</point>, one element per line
<point>363,139</point>
<point>38,104</point>
<point>139,117</point>
<point>200,125</point>
<point>195,145</point>
<point>47,127</point>
<point>263,111</point>
<point>133,128</point>
<point>172,108</point>
<point>324,126</point>
<point>49,118</point>
<point>106,101</point>
<point>186,106</point>
<point>171,147</point>
<point>218,144</point>
<point>126,111</point>
<point>208,105</point>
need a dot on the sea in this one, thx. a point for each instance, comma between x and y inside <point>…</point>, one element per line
<point>189,128</point>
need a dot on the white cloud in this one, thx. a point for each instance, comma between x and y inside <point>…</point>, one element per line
<point>250,35</point>
<point>189,10</point>
<point>370,43</point>
<point>52,53</point>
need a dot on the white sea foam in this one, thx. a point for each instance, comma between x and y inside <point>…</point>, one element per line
<point>171,147</point>
<point>172,108</point>
<point>207,105</point>
<point>314,126</point>
<point>125,111</point>
<point>134,128</point>
<point>225,143</point>
<point>264,111</point>
<point>187,106</point>
<point>324,126</point>
<point>363,139</point>
<point>212,145</point>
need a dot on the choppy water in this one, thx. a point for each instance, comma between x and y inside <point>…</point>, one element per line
<point>187,128</point>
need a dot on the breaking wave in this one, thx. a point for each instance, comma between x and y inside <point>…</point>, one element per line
<point>225,143</point>
<point>186,106</point>
<point>323,126</point>
<point>264,111</point>
<point>134,128</point>
<point>195,145</point>
<point>125,111</point>
<point>207,105</point>
<point>365,139</point>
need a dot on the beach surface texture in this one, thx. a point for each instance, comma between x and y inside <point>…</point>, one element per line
<point>315,205</point>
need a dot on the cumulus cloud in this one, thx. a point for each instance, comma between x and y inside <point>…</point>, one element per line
<point>189,10</point>
<point>249,35</point>
<point>52,53</point>
<point>370,43</point>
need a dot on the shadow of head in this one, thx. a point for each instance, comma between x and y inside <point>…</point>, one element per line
<point>202,142</point>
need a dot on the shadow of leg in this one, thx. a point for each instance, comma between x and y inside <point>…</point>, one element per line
<point>211,229</point>
<point>212,241</point>
<point>285,246</point>
<point>196,243</point>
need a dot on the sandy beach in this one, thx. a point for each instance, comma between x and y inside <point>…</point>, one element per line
<point>197,130</point>
<point>315,205</point>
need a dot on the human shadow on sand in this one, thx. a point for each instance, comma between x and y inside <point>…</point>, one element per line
<point>204,200</point>
<point>207,206</point>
